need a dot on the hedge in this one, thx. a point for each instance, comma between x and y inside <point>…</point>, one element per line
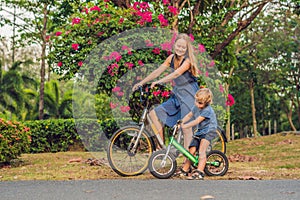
<point>14,140</point>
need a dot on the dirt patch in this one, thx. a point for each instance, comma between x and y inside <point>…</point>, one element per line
<point>242,158</point>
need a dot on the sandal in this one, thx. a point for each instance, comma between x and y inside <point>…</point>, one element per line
<point>181,172</point>
<point>196,175</point>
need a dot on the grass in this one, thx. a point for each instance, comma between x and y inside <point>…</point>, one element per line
<point>265,158</point>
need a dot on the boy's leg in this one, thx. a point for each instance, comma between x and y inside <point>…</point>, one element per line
<point>199,173</point>
<point>202,154</point>
<point>187,164</point>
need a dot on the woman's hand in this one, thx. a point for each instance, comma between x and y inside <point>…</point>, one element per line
<point>155,83</point>
<point>136,86</point>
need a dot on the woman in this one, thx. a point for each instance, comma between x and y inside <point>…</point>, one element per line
<point>184,74</point>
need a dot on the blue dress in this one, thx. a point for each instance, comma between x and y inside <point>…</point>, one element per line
<point>182,100</point>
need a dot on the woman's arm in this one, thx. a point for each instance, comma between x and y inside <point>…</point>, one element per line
<point>155,73</point>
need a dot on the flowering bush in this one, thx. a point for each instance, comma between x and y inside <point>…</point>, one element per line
<point>14,140</point>
<point>151,96</point>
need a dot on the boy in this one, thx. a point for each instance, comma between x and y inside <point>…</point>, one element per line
<point>206,123</point>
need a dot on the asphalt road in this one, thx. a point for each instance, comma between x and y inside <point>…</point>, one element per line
<point>154,189</point>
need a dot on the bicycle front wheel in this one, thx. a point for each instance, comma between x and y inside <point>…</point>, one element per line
<point>125,160</point>
<point>161,168</point>
<point>216,164</point>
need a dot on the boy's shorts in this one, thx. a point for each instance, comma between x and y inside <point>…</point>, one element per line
<point>197,138</point>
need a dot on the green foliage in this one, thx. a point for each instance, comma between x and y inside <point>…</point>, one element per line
<point>52,135</point>
<point>59,135</point>
<point>14,140</point>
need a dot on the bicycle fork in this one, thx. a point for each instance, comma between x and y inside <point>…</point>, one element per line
<point>180,148</point>
<point>142,124</point>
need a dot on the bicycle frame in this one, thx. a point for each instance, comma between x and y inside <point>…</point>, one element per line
<point>145,117</point>
<point>185,152</point>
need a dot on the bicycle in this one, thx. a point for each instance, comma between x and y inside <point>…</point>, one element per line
<point>130,147</point>
<point>163,163</point>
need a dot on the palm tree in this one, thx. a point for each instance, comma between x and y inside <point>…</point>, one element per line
<point>13,89</point>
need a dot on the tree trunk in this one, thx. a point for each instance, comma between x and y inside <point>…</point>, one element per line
<point>43,62</point>
<point>289,116</point>
<point>228,123</point>
<point>253,109</point>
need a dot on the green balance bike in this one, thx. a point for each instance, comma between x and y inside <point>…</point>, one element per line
<point>162,163</point>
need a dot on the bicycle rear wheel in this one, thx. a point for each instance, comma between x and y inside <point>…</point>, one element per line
<point>122,158</point>
<point>219,142</point>
<point>216,164</point>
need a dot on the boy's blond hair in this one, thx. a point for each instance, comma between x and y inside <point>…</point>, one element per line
<point>204,95</point>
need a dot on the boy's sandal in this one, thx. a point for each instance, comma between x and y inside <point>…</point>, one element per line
<point>181,172</point>
<point>196,175</point>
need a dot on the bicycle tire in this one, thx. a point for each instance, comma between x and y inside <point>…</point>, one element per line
<point>162,172</point>
<point>121,159</point>
<point>219,142</point>
<point>217,164</point>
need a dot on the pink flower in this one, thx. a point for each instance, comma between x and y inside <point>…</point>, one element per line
<point>124,108</point>
<point>221,88</point>
<point>165,2</point>
<point>163,21</point>
<point>140,63</point>
<point>206,74</point>
<point>156,51</point>
<point>149,43</point>
<point>115,55</point>
<point>116,89</point>
<point>120,94</point>
<point>80,63</point>
<point>129,65</point>
<point>165,94</point>
<point>173,10</point>
<point>75,46</point>
<point>230,100</point>
<point>124,47</point>
<point>95,8</point>
<point>201,48</point>
<point>113,105</point>
<point>166,46</point>
<point>59,64</point>
<point>100,34</point>
<point>86,10</point>
<point>156,93</point>
<point>76,20</point>
<point>212,63</point>
<point>58,33</point>
<point>121,20</point>
<point>192,37</point>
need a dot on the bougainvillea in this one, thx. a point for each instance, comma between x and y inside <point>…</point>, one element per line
<point>77,54</point>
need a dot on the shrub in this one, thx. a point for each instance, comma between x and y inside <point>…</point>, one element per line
<point>14,140</point>
<point>52,135</point>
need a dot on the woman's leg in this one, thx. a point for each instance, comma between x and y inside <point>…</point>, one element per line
<point>157,124</point>
<point>187,137</point>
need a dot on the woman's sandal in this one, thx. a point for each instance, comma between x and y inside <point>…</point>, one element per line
<point>196,175</point>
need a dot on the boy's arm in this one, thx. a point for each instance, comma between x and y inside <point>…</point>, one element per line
<point>186,117</point>
<point>195,122</point>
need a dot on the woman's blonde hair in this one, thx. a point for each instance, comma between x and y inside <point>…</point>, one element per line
<point>204,95</point>
<point>190,52</point>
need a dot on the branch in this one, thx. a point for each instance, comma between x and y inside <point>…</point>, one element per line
<point>241,26</point>
<point>194,13</point>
